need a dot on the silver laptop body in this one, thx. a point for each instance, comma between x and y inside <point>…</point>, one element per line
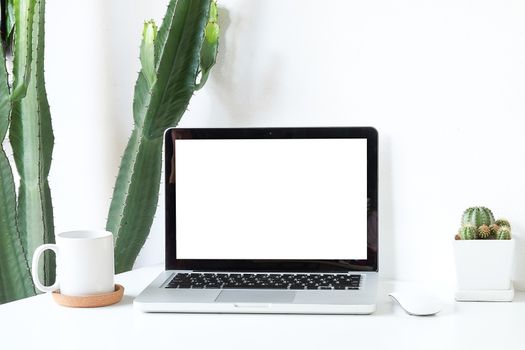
<point>269,220</point>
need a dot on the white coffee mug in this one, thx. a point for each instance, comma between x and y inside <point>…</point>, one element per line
<point>84,263</point>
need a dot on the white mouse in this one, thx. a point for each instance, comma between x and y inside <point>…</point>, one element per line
<point>417,303</point>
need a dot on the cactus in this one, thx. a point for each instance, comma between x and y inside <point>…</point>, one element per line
<point>15,278</point>
<point>503,222</point>
<point>173,59</point>
<point>477,216</point>
<point>479,223</point>
<point>493,230</point>
<point>483,232</point>
<point>31,138</point>
<point>467,232</point>
<point>503,233</point>
<point>27,221</point>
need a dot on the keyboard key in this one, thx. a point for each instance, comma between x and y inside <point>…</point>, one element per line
<point>325,287</point>
<point>296,286</point>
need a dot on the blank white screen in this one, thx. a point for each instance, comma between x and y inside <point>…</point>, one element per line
<point>271,199</point>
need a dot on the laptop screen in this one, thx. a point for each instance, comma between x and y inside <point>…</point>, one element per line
<point>271,199</point>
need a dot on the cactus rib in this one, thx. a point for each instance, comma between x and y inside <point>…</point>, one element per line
<point>161,98</point>
<point>31,138</point>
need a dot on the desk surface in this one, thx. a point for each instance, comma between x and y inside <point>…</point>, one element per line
<point>38,322</point>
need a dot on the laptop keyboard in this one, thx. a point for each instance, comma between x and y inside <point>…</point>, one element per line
<point>264,281</point>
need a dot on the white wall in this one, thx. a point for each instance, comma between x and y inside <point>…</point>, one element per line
<point>442,81</point>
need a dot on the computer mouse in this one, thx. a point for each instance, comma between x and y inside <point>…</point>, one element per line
<point>417,303</point>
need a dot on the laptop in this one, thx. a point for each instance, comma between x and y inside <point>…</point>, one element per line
<point>269,220</point>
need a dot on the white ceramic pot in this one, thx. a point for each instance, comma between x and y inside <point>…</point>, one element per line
<point>484,264</point>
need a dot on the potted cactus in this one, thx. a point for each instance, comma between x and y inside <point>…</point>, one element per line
<point>484,251</point>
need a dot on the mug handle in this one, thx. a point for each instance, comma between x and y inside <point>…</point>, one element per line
<point>34,267</point>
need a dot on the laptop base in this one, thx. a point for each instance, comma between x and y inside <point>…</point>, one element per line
<point>156,298</point>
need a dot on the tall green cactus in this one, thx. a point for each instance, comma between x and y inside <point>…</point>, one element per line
<point>31,138</point>
<point>173,59</point>
<point>26,222</point>
<point>15,278</point>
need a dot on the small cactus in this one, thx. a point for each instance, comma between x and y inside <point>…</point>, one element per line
<point>493,231</point>
<point>503,222</point>
<point>503,233</point>
<point>483,232</point>
<point>479,223</point>
<point>477,216</point>
<point>467,232</point>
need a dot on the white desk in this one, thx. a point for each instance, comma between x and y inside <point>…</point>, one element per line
<point>38,323</point>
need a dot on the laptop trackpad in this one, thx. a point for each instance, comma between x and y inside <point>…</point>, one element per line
<point>254,296</point>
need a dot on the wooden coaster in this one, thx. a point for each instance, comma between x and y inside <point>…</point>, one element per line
<point>97,300</point>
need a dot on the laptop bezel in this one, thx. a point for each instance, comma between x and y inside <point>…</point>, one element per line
<point>369,264</point>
